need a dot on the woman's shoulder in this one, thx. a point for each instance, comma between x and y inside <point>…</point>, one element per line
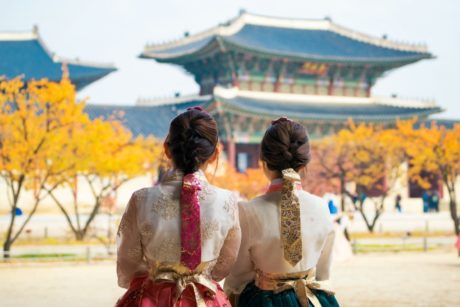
<point>141,195</point>
<point>225,194</point>
<point>259,203</point>
<point>223,198</point>
<point>313,199</point>
<point>318,205</point>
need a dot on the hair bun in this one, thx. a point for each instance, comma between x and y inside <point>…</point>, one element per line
<point>287,155</point>
<point>192,139</point>
<point>285,145</point>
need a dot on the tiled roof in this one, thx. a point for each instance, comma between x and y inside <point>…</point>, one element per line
<point>318,40</point>
<point>315,107</point>
<point>24,54</point>
<point>145,120</point>
<point>155,119</point>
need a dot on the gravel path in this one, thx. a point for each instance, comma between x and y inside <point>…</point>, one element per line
<point>409,279</point>
<point>406,279</point>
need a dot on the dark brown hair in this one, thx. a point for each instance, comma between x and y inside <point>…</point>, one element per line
<point>285,145</point>
<point>192,139</point>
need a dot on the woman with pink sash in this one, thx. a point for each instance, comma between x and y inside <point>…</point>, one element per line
<point>177,239</point>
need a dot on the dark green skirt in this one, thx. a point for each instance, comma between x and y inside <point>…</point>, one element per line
<point>254,297</point>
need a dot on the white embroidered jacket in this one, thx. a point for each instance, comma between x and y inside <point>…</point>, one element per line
<point>261,246</point>
<point>149,232</point>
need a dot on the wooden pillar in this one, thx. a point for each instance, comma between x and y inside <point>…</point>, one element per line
<point>231,152</point>
<point>277,87</point>
<point>330,87</point>
<point>235,80</point>
<point>368,90</point>
<point>280,77</point>
<point>356,88</point>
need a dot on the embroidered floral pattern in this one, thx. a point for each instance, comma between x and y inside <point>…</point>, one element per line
<point>141,195</point>
<point>165,206</point>
<point>232,233</point>
<point>122,226</point>
<point>208,229</point>
<point>167,248</point>
<point>205,192</point>
<point>290,218</point>
<point>146,231</point>
<point>135,252</point>
<point>230,205</point>
<point>190,232</point>
<point>225,261</point>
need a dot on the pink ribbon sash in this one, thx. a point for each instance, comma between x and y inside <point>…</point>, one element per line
<point>190,232</point>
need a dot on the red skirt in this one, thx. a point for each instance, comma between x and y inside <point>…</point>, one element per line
<point>144,292</point>
<point>458,242</point>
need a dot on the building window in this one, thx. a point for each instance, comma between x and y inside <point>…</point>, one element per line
<point>243,161</point>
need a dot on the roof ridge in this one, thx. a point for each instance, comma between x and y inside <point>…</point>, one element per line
<point>328,24</point>
<point>156,101</point>
<point>236,24</point>
<point>18,35</point>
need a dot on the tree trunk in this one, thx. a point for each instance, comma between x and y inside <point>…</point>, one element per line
<point>343,193</point>
<point>9,234</point>
<point>453,206</point>
<point>454,215</point>
<point>6,249</point>
<point>370,226</point>
<point>75,229</point>
<point>7,243</point>
<point>79,235</point>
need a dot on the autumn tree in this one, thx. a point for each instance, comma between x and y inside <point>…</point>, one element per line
<point>377,165</point>
<point>366,155</point>
<point>34,121</point>
<point>330,166</point>
<point>249,184</point>
<point>105,156</point>
<point>435,150</point>
<point>316,180</point>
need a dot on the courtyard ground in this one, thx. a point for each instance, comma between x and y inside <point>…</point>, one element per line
<point>387,279</point>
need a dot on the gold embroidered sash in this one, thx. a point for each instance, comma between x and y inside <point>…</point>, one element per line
<point>291,235</point>
<point>303,283</point>
<point>184,278</point>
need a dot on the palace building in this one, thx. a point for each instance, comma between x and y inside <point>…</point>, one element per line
<point>253,69</point>
<point>25,54</point>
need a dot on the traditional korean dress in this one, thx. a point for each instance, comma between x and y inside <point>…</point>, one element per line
<point>286,248</point>
<point>175,241</point>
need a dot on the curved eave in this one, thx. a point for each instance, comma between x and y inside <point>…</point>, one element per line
<point>81,82</point>
<point>166,56</point>
<point>371,112</point>
<point>221,44</point>
<point>334,118</point>
<point>81,73</point>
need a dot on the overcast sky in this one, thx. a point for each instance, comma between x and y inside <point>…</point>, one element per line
<point>116,31</point>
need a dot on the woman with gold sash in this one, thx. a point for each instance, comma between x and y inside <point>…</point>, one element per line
<point>178,238</point>
<point>287,233</point>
